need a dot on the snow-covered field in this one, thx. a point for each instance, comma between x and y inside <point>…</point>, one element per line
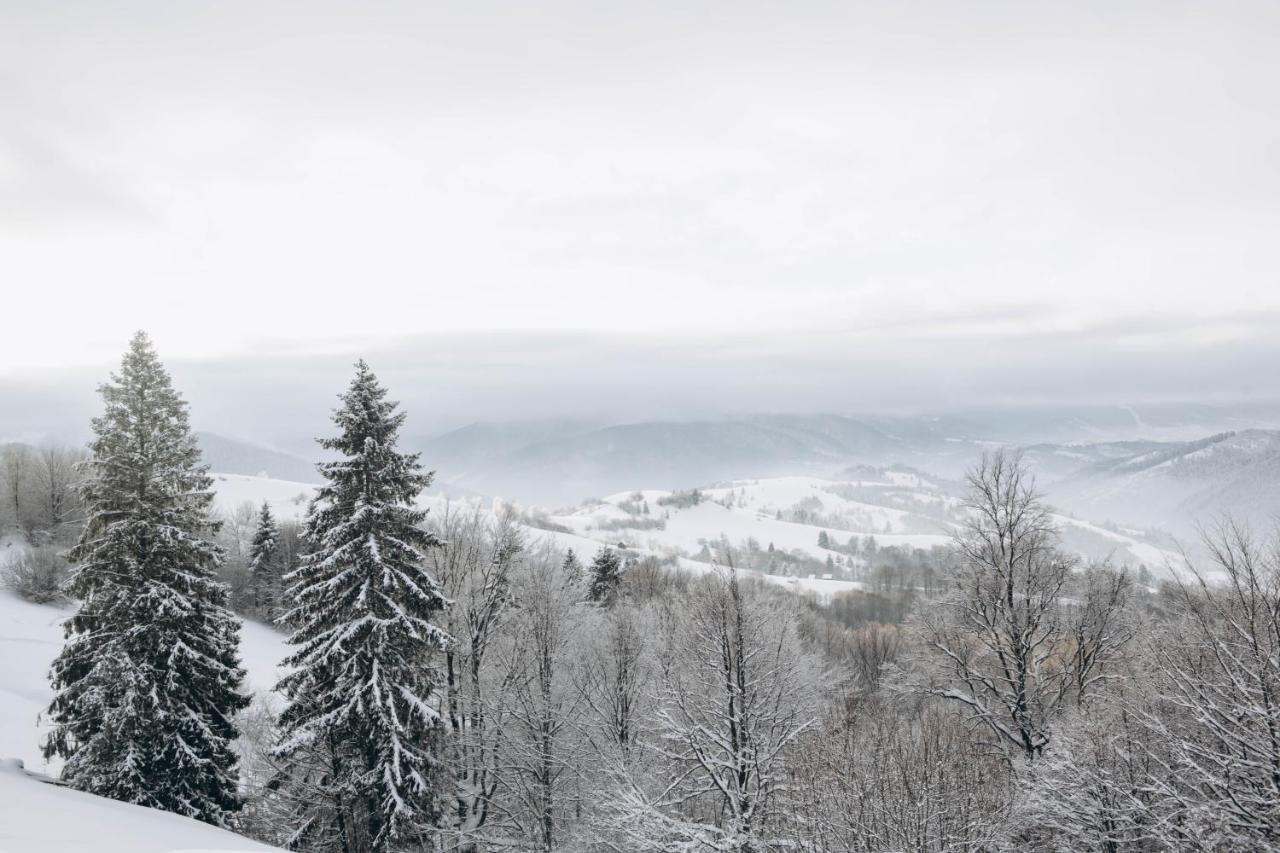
<point>30,637</point>
<point>748,509</point>
<point>38,817</point>
<point>288,499</point>
<point>887,505</point>
<point>233,490</point>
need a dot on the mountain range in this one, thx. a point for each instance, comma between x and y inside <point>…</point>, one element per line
<point>1180,485</point>
<point>1143,482</point>
<point>231,456</point>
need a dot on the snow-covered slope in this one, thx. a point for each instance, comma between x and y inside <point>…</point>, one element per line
<point>288,498</point>
<point>1177,486</point>
<point>39,817</point>
<point>30,637</point>
<point>890,507</point>
<point>749,509</point>
<point>582,533</point>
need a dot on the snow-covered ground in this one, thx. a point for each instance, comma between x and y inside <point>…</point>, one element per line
<point>288,499</point>
<point>40,818</point>
<point>235,489</point>
<point>893,501</point>
<point>30,638</point>
<point>749,508</point>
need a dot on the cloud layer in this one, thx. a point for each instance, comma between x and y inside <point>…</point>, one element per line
<point>734,190</point>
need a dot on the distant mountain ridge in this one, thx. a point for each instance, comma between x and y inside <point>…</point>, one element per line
<point>1181,484</point>
<point>565,466</point>
<point>1139,481</point>
<point>230,456</point>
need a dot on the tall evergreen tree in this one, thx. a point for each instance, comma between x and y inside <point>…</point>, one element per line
<point>363,678</point>
<point>266,566</point>
<point>147,685</point>
<point>606,576</point>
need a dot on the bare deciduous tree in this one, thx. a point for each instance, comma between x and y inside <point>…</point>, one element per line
<point>15,471</point>
<point>999,635</point>
<point>1101,628</point>
<point>54,477</point>
<point>872,648</point>
<point>1093,792</point>
<point>475,569</point>
<point>896,772</point>
<point>732,705</point>
<point>615,681</point>
<point>540,703</point>
<point>1219,683</point>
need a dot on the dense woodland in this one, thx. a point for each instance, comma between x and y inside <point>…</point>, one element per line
<point>458,683</point>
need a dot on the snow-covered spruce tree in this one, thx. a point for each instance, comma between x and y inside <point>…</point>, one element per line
<point>147,685</point>
<point>364,679</point>
<point>266,566</point>
<point>606,576</point>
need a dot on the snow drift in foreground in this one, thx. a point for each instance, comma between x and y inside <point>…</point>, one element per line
<point>40,817</point>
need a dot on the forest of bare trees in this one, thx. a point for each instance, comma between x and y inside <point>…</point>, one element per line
<point>1031,702</point>
<point>1035,704</point>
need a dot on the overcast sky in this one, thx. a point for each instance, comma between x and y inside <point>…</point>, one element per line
<point>955,194</point>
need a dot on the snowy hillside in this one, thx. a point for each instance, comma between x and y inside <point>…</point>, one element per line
<point>881,509</point>
<point>789,512</point>
<point>580,530</point>
<point>288,498</point>
<point>40,817</point>
<point>783,517</point>
<point>30,637</point>
<point>1177,485</point>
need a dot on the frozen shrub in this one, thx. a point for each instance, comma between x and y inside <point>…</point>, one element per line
<point>37,575</point>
